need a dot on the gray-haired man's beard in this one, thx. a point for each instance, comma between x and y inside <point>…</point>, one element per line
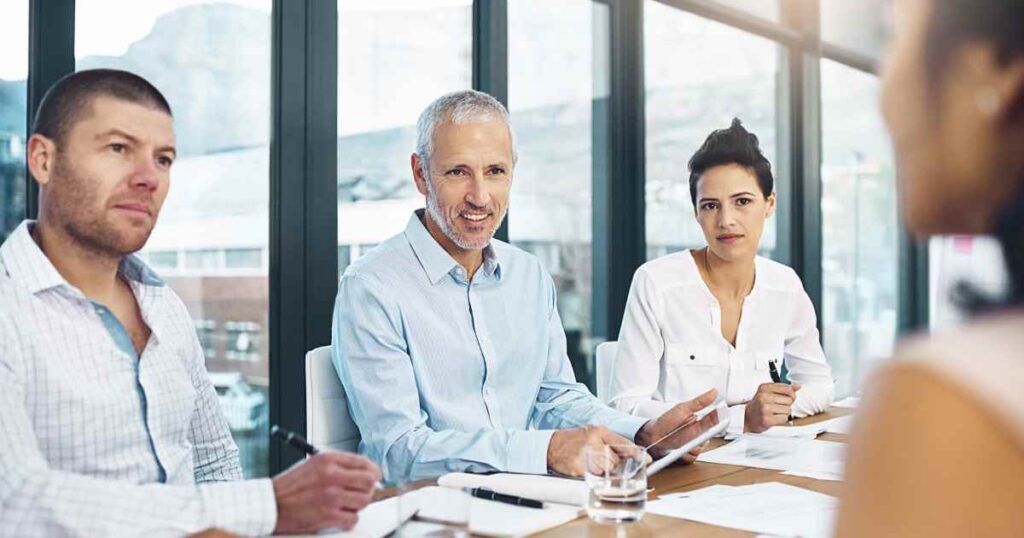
<point>448,227</point>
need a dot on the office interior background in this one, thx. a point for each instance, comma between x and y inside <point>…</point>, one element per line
<point>295,120</point>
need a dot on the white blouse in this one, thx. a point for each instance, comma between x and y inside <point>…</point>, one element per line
<point>671,347</point>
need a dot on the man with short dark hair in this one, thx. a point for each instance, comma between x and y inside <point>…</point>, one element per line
<point>110,424</point>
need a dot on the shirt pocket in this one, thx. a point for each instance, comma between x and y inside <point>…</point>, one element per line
<point>691,370</point>
<point>762,371</point>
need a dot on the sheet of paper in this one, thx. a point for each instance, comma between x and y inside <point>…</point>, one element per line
<point>816,475</point>
<point>539,487</point>
<point>769,508</point>
<point>781,454</point>
<point>375,521</point>
<point>850,402</point>
<point>807,431</point>
<point>491,518</point>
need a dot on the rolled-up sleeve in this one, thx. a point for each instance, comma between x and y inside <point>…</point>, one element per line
<point>805,361</point>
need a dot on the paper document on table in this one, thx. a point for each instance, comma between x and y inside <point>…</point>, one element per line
<point>770,508</point>
<point>807,431</point>
<point>539,487</point>
<point>375,521</point>
<point>817,475</point>
<point>781,454</point>
<point>850,402</point>
<point>492,518</point>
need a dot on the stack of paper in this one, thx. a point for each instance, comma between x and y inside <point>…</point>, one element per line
<point>823,460</point>
<point>808,431</point>
<point>492,518</point>
<point>769,508</point>
<point>539,487</point>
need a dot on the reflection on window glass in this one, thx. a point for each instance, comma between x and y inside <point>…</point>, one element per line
<point>725,73</point>
<point>13,95</point>
<point>163,260</point>
<point>243,258</point>
<point>858,26</point>
<point>859,219</point>
<point>211,59</point>
<point>394,58</point>
<point>556,78</point>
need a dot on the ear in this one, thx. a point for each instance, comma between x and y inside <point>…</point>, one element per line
<point>41,156</point>
<point>1010,86</point>
<point>770,202</point>
<point>417,174</point>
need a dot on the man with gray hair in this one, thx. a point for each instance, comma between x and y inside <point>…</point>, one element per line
<point>449,342</point>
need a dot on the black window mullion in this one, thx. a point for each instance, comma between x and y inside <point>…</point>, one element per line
<point>303,203</point>
<point>51,55</point>
<point>490,59</point>
<point>619,239</point>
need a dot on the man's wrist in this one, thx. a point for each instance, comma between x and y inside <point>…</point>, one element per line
<point>643,435</point>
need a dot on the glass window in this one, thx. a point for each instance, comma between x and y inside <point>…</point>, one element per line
<point>243,258</point>
<point>205,329</point>
<point>163,260</point>
<point>202,259</point>
<point>953,261</point>
<point>725,73</point>
<point>859,217</point>
<point>766,9</point>
<point>858,26</point>
<point>556,77</point>
<point>394,58</point>
<point>13,96</point>
<point>211,59</point>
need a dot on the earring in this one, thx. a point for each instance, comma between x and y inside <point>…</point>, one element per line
<point>987,100</point>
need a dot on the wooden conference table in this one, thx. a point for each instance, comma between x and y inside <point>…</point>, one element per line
<point>683,478</point>
<point>699,475</point>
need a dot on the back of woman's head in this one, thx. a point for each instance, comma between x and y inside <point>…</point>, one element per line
<point>953,96</point>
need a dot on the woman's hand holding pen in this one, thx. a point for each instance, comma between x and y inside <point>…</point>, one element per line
<point>771,405</point>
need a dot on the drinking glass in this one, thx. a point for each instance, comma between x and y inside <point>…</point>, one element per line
<point>616,477</point>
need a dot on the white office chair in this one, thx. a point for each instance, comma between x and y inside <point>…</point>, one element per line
<point>603,363</point>
<point>328,422</point>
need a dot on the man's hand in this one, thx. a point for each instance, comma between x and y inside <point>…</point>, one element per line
<point>565,451</point>
<point>660,427</point>
<point>325,491</point>
<point>771,405</point>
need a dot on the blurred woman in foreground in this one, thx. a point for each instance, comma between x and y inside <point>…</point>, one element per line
<point>938,448</point>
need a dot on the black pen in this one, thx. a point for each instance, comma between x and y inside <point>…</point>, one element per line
<point>293,439</point>
<point>490,495</point>
<point>776,378</point>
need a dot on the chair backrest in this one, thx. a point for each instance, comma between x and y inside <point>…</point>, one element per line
<point>328,422</point>
<point>604,361</point>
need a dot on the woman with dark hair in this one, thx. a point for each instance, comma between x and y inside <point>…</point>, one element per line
<point>721,316</point>
<point>938,449</point>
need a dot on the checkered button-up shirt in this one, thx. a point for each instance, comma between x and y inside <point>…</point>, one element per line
<point>96,440</point>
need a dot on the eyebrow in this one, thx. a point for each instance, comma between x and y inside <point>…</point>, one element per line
<point>737,195</point>
<point>134,140</point>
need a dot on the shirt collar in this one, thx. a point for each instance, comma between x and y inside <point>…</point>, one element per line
<point>436,262</point>
<point>28,266</point>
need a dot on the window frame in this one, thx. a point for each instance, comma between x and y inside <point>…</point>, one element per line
<point>303,250</point>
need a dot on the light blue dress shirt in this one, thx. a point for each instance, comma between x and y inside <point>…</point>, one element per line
<point>443,374</point>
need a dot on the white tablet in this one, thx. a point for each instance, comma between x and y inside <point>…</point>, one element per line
<point>707,425</point>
